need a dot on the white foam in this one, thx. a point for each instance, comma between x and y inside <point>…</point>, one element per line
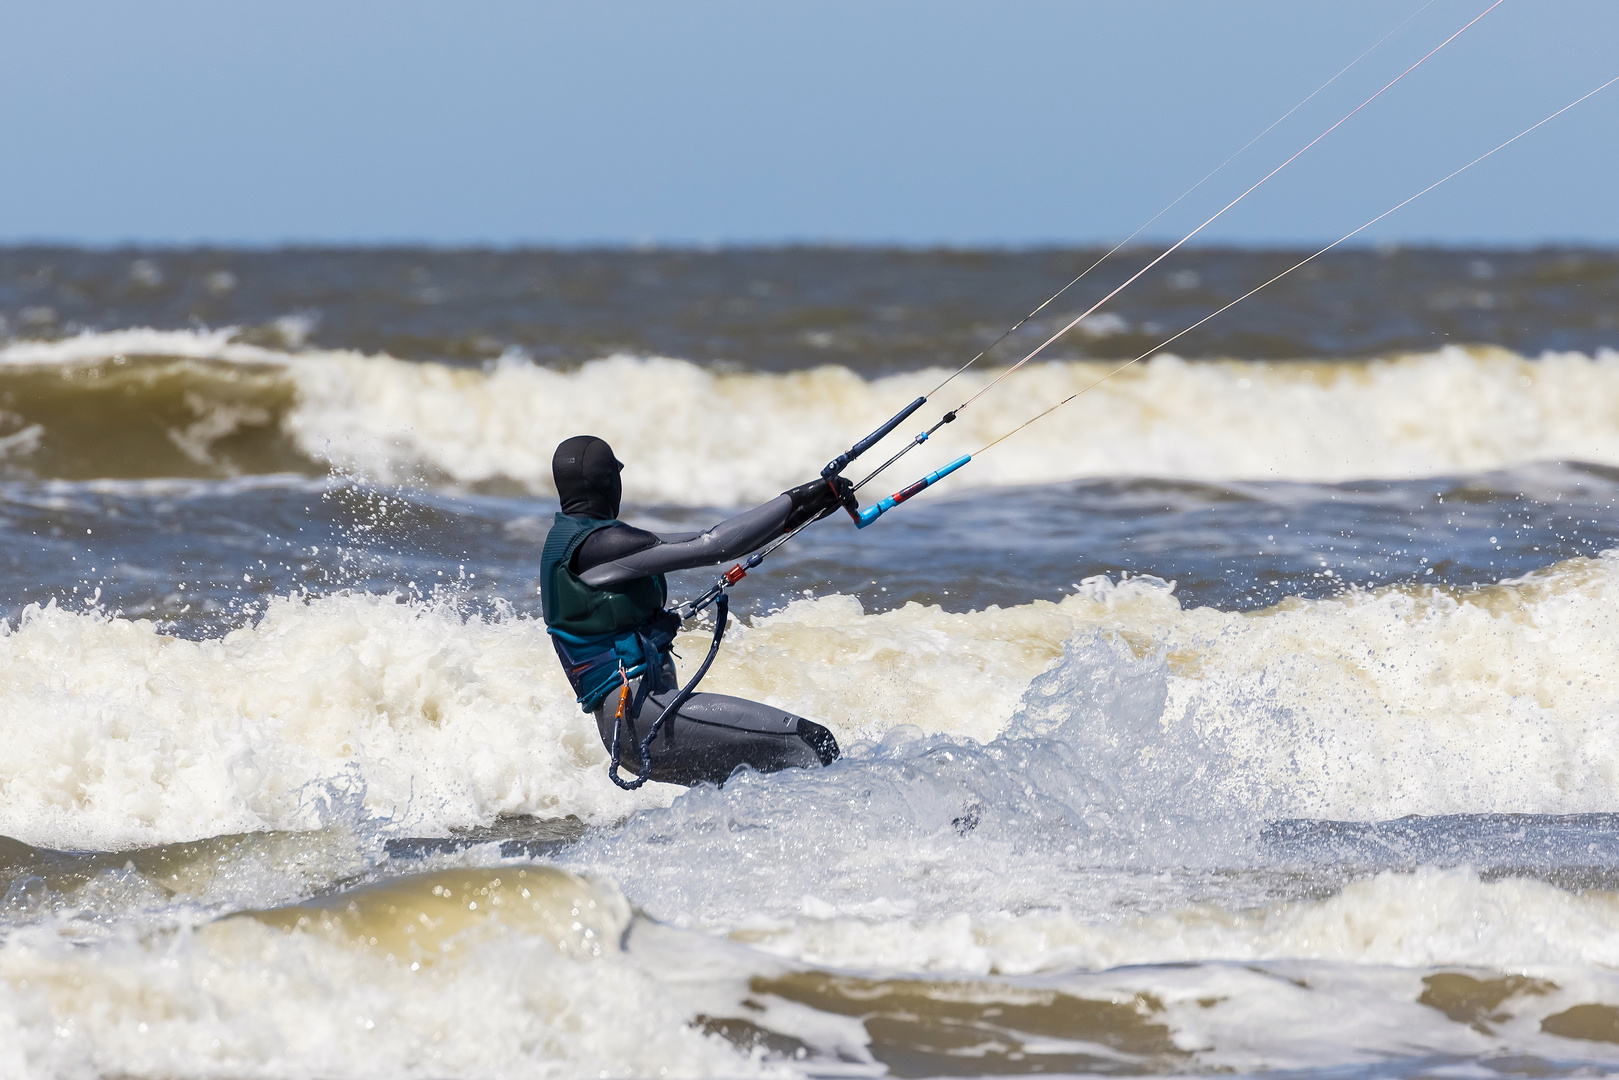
<point>1038,770</point>
<point>1370,705</point>
<point>347,709</point>
<point>1254,1017</point>
<point>1426,918</point>
<point>98,346</point>
<point>1405,700</point>
<point>237,997</point>
<point>1110,767</point>
<point>1350,978</point>
<point>550,993</point>
<point>693,435</point>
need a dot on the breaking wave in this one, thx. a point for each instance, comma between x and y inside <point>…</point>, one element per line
<point>991,851</point>
<point>514,972</point>
<point>193,403</point>
<point>532,970</point>
<point>1425,918</point>
<point>414,718</point>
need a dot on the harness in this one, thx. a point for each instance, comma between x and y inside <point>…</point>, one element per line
<point>599,632</point>
<point>595,665</point>
<point>607,637</point>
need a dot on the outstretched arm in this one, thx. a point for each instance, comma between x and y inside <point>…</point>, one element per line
<point>623,553</point>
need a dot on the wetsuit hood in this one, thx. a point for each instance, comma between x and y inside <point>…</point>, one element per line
<point>586,476</point>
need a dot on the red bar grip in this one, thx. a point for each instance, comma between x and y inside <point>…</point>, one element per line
<point>905,493</point>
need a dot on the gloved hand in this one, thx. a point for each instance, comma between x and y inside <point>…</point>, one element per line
<point>817,499</point>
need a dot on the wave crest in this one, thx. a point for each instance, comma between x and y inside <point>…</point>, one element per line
<point>700,436</point>
<point>415,718</point>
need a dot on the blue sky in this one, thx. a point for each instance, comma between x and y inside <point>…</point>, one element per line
<point>699,122</point>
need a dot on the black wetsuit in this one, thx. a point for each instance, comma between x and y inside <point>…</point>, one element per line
<point>605,589</point>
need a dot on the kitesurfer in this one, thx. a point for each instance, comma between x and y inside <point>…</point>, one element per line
<point>603,595</point>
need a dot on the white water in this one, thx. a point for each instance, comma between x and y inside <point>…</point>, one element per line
<point>536,986</point>
<point>1092,742</point>
<point>1424,919</point>
<point>1070,793</point>
<point>746,436</point>
<point>544,988</point>
<point>409,716</point>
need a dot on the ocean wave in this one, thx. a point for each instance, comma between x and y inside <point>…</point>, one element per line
<point>209,405</point>
<point>511,972</point>
<point>347,710</point>
<point>1403,967</point>
<point>1148,736</point>
<point>1401,700</point>
<point>412,717</point>
<point>1425,918</point>
<point>533,970</point>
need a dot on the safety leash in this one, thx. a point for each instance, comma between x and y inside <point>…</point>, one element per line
<point>722,606</point>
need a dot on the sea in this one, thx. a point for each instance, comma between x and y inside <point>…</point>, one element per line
<point>1255,712</point>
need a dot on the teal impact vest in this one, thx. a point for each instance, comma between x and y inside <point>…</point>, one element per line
<point>597,630</point>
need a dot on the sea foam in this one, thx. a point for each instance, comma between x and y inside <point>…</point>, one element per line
<point>702,436</point>
<point>1429,917</point>
<point>533,971</point>
<point>412,717</point>
<point>535,986</point>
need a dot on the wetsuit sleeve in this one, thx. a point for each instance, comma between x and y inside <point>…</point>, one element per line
<point>727,540</point>
<point>613,542</point>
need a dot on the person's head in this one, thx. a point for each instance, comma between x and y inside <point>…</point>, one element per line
<point>586,475</point>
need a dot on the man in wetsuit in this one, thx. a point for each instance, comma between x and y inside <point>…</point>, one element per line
<point>603,595</point>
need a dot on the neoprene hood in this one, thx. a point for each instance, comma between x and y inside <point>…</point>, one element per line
<point>586,476</point>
